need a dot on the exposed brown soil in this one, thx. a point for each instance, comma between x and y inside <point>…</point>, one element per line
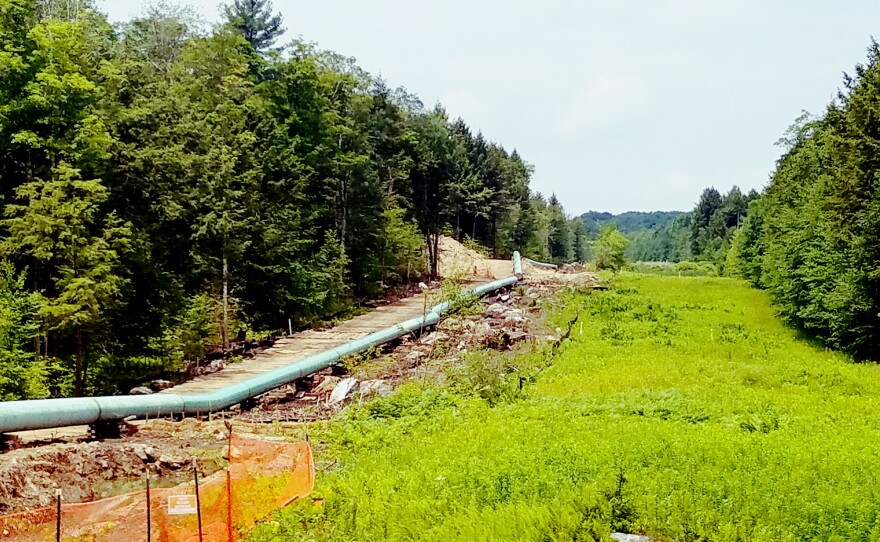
<point>499,322</point>
<point>457,260</point>
<point>91,470</point>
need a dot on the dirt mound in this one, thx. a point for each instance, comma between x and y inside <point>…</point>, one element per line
<point>573,275</point>
<point>457,260</point>
<point>87,471</point>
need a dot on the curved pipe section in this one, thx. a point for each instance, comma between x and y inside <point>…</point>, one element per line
<point>48,413</point>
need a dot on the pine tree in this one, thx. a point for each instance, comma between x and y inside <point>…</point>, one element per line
<point>560,238</point>
<point>710,201</point>
<point>254,19</point>
<point>59,224</point>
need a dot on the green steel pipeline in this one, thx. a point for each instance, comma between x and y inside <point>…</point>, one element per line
<point>48,413</point>
<point>541,264</point>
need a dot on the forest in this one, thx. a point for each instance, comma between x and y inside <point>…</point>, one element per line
<point>703,234</point>
<point>166,189</point>
<point>630,221</point>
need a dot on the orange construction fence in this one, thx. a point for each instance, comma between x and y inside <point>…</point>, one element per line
<point>262,476</point>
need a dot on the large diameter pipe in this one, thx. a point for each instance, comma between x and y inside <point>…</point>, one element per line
<point>479,291</point>
<point>48,413</point>
<point>119,407</point>
<point>260,384</point>
<point>517,265</point>
<point>542,264</point>
<point>492,286</point>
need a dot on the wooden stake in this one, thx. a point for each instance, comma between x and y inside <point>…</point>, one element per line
<point>198,501</point>
<point>229,485</point>
<point>58,515</point>
<point>149,508</point>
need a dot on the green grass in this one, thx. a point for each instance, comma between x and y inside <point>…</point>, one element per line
<point>681,408</point>
<point>680,269</point>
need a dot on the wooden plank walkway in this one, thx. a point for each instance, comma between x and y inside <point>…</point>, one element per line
<point>299,346</point>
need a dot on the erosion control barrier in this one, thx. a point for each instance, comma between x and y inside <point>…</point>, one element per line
<point>48,413</point>
<point>262,476</point>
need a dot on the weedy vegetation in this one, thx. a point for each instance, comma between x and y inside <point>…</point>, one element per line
<point>681,408</point>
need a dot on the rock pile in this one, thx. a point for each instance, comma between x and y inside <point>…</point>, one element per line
<point>503,320</point>
<point>87,471</point>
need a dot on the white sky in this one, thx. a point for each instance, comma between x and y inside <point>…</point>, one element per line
<point>620,105</point>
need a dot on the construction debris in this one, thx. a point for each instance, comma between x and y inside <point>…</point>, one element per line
<point>159,385</point>
<point>140,390</point>
<point>343,390</point>
<point>371,388</point>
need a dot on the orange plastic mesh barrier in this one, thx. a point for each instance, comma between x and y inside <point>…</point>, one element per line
<point>262,476</point>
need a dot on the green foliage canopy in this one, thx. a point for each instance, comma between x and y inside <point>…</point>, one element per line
<point>158,181</point>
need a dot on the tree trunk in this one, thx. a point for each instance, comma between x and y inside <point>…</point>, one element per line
<point>225,325</point>
<point>432,240</point>
<point>494,236</point>
<point>436,258</point>
<point>343,215</point>
<point>430,255</point>
<point>79,369</point>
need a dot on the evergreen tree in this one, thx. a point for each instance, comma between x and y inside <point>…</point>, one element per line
<point>701,223</point>
<point>255,21</point>
<point>60,226</point>
<point>21,376</point>
<point>560,238</point>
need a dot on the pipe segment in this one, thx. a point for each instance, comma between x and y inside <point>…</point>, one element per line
<point>484,289</point>
<point>48,413</point>
<point>542,264</point>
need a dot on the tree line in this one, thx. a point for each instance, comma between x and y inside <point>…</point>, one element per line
<point>704,234</point>
<point>166,188</point>
<point>813,238</point>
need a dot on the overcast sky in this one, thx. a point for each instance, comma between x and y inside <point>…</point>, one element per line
<point>620,105</point>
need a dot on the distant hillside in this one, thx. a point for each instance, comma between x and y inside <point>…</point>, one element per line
<point>630,221</point>
<point>654,236</point>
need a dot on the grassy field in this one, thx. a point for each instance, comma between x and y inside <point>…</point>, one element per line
<point>681,408</point>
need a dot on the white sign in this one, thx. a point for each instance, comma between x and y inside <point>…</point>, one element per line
<point>179,505</point>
